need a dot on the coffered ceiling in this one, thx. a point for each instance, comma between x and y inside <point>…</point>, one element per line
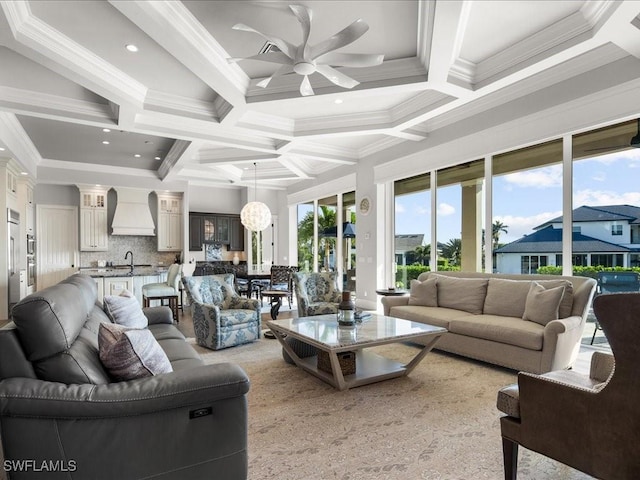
<point>190,115</point>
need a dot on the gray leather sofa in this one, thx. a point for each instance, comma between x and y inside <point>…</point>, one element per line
<point>496,331</point>
<point>60,411</point>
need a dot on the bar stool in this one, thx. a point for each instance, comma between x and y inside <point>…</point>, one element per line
<point>165,291</point>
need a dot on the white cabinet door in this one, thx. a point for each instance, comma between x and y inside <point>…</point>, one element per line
<point>115,285</point>
<point>93,220</point>
<point>100,284</point>
<point>93,230</point>
<point>169,232</point>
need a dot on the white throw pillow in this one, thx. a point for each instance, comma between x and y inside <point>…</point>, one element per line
<point>124,309</point>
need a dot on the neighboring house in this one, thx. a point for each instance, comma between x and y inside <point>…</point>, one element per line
<point>405,244</point>
<point>608,236</point>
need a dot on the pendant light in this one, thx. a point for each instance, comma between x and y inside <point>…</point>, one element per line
<point>255,216</point>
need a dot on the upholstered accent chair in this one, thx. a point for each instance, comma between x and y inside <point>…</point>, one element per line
<point>589,422</point>
<point>316,293</point>
<point>221,318</point>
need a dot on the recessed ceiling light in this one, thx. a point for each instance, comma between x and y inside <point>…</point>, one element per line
<point>1,149</point>
<point>157,158</point>
<point>107,130</point>
<point>131,47</point>
<point>338,101</point>
<point>137,155</point>
<point>24,173</point>
<point>105,142</point>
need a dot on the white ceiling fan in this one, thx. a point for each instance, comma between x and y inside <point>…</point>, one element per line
<point>306,59</point>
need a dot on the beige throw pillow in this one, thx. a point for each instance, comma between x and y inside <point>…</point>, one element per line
<point>542,303</point>
<point>424,293</point>
<point>465,294</point>
<point>566,304</point>
<point>506,298</point>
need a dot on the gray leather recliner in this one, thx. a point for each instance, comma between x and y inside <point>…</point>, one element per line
<point>60,411</point>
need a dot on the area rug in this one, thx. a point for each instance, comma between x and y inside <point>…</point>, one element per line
<point>440,422</point>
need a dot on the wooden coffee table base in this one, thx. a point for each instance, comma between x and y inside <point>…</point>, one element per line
<point>370,367</point>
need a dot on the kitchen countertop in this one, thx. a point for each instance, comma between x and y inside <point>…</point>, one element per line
<point>123,271</point>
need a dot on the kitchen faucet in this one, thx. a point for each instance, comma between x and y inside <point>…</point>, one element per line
<point>125,257</point>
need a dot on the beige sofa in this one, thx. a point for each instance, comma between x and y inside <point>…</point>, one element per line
<point>502,319</point>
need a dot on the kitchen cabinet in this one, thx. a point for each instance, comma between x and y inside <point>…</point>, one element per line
<point>12,183</point>
<point>115,285</point>
<point>30,211</point>
<point>215,228</point>
<point>196,233</point>
<point>169,222</point>
<point>236,238</point>
<point>93,220</point>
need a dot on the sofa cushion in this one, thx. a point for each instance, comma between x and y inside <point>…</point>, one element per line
<point>542,303</point>
<point>438,316</point>
<point>124,309</point>
<point>466,294</point>
<point>424,293</point>
<point>509,330</point>
<point>129,353</point>
<point>566,304</point>
<point>506,297</point>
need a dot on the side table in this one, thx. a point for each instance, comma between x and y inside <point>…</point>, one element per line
<point>396,292</point>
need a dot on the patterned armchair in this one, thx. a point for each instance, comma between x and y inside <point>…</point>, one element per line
<point>316,293</point>
<point>221,318</point>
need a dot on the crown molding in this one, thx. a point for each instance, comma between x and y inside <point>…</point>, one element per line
<point>41,104</point>
<point>32,32</point>
<point>559,36</point>
<point>16,139</point>
<point>175,153</point>
<point>183,106</point>
<point>380,145</point>
<point>268,124</point>
<point>174,27</point>
<point>389,73</point>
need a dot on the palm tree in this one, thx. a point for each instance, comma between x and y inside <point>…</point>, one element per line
<point>422,253</point>
<point>326,219</point>
<point>452,251</point>
<point>497,228</point>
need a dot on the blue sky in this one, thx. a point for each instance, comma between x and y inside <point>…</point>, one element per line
<point>524,200</point>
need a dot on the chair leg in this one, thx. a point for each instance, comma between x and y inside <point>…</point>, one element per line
<point>595,330</point>
<point>510,458</point>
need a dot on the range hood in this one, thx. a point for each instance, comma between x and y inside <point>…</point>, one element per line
<point>133,216</point>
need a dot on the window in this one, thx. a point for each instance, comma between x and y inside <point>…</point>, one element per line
<point>527,202</point>
<point>460,216</point>
<point>530,263</point>
<point>412,249</point>
<point>576,229</point>
<point>607,260</point>
<point>616,229</point>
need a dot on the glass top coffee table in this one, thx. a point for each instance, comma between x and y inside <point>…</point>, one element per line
<point>323,332</point>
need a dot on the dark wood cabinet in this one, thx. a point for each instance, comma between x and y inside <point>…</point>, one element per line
<point>195,232</point>
<point>236,243</point>
<point>215,228</point>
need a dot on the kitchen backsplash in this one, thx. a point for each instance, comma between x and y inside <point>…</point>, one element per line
<point>145,252</point>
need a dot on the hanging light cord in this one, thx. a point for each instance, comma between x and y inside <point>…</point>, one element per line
<point>255,182</point>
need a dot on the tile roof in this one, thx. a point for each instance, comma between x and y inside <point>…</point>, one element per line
<point>549,239</point>
<point>603,213</point>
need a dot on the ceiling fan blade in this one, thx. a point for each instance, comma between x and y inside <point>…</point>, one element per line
<point>284,46</point>
<point>304,16</point>
<point>350,59</point>
<point>271,57</point>
<point>305,87</point>
<point>282,70</point>
<point>340,39</point>
<point>336,77</point>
